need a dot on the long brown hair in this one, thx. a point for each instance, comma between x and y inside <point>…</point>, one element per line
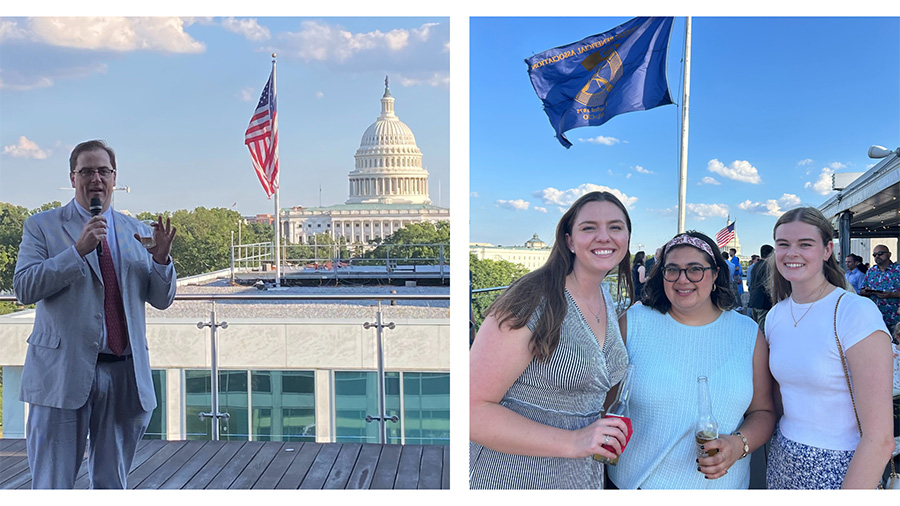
<point>780,288</point>
<point>545,286</point>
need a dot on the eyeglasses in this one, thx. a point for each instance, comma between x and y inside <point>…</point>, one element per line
<point>89,173</point>
<point>878,253</point>
<point>693,273</point>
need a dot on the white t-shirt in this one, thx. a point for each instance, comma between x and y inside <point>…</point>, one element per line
<point>805,362</point>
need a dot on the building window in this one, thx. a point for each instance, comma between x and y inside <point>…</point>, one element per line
<point>262,405</point>
<point>423,400</point>
<point>232,400</point>
<point>157,427</point>
<point>283,406</point>
<point>426,408</point>
<point>355,397</point>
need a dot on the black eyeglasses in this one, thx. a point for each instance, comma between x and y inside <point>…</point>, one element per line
<point>878,253</point>
<point>693,273</point>
<point>89,173</point>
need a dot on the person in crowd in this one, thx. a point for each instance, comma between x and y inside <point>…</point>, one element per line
<point>827,438</point>
<point>882,285</point>
<point>855,275</point>
<point>652,261</point>
<point>760,301</point>
<point>639,275</point>
<point>685,329</point>
<point>737,275</point>
<point>87,369</point>
<point>545,357</point>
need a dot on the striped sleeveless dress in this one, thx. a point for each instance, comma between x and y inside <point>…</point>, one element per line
<point>568,392</point>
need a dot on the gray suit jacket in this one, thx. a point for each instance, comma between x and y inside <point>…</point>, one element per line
<point>63,346</point>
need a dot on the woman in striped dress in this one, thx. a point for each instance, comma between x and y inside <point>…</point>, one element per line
<point>545,357</point>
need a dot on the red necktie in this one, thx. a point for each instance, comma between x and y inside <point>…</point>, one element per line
<point>116,331</point>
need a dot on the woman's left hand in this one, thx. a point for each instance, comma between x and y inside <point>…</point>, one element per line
<point>730,450</point>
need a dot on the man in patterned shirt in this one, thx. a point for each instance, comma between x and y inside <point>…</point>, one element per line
<point>882,285</point>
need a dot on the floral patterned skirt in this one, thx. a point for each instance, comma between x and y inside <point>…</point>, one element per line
<point>797,466</point>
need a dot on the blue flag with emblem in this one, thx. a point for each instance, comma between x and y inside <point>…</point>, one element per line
<point>590,81</point>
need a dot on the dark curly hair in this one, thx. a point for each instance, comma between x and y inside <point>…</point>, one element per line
<point>722,296</point>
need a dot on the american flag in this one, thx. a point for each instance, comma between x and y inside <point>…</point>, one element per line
<point>261,138</point>
<point>725,235</point>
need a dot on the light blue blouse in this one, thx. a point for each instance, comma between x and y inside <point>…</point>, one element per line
<point>668,357</point>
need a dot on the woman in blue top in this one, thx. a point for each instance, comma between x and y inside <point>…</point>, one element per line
<point>684,329</point>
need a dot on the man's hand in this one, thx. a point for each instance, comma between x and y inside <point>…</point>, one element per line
<point>164,236</point>
<point>93,232</point>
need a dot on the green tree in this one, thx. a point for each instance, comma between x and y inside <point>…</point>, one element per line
<point>12,219</point>
<point>416,240</point>
<point>203,239</point>
<point>490,274</point>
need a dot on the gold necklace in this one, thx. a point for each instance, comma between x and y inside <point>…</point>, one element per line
<point>796,321</point>
<point>597,314</point>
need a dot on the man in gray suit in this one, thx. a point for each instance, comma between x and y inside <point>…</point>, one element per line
<point>87,369</point>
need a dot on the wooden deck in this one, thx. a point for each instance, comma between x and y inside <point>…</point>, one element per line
<point>261,466</point>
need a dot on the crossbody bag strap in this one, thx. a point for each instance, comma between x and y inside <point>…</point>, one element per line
<point>844,363</point>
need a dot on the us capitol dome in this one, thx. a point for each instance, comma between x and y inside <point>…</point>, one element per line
<point>388,188</point>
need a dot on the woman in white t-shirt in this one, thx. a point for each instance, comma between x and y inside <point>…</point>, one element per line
<point>817,442</point>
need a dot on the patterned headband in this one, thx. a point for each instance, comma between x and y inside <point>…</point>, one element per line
<point>690,241</point>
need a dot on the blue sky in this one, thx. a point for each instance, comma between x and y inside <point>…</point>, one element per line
<point>173,96</point>
<point>776,106</point>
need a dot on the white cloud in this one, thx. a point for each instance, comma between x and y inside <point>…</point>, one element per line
<point>565,198</point>
<point>704,211</point>
<point>248,27</point>
<point>248,94</point>
<point>437,79</point>
<point>540,209</point>
<point>26,149</point>
<point>823,184</point>
<point>319,94</point>
<point>321,42</point>
<point>115,34</point>
<point>709,180</point>
<point>641,170</point>
<point>771,207</point>
<point>474,195</point>
<point>9,30</point>
<point>806,161</point>
<point>516,205</point>
<point>739,170</point>
<point>606,141</point>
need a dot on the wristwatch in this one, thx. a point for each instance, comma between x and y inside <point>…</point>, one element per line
<point>746,446</point>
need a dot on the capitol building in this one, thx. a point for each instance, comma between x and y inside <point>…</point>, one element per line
<point>388,189</point>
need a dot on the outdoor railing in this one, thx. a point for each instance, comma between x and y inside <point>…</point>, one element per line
<point>214,324</point>
<point>398,259</point>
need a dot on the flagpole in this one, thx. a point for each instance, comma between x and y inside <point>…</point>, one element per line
<point>277,177</point>
<point>682,173</point>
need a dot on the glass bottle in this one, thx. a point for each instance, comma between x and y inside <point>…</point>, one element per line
<point>707,429</point>
<point>619,408</point>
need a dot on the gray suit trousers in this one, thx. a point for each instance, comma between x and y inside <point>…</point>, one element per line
<point>112,419</point>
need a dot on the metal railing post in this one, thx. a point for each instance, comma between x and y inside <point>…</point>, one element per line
<point>382,411</point>
<point>214,369</point>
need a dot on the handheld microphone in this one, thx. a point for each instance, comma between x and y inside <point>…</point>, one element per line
<point>97,208</point>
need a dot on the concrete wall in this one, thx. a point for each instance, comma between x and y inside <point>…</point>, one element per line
<point>320,345</point>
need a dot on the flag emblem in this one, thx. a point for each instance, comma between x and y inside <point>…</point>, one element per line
<point>590,81</point>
